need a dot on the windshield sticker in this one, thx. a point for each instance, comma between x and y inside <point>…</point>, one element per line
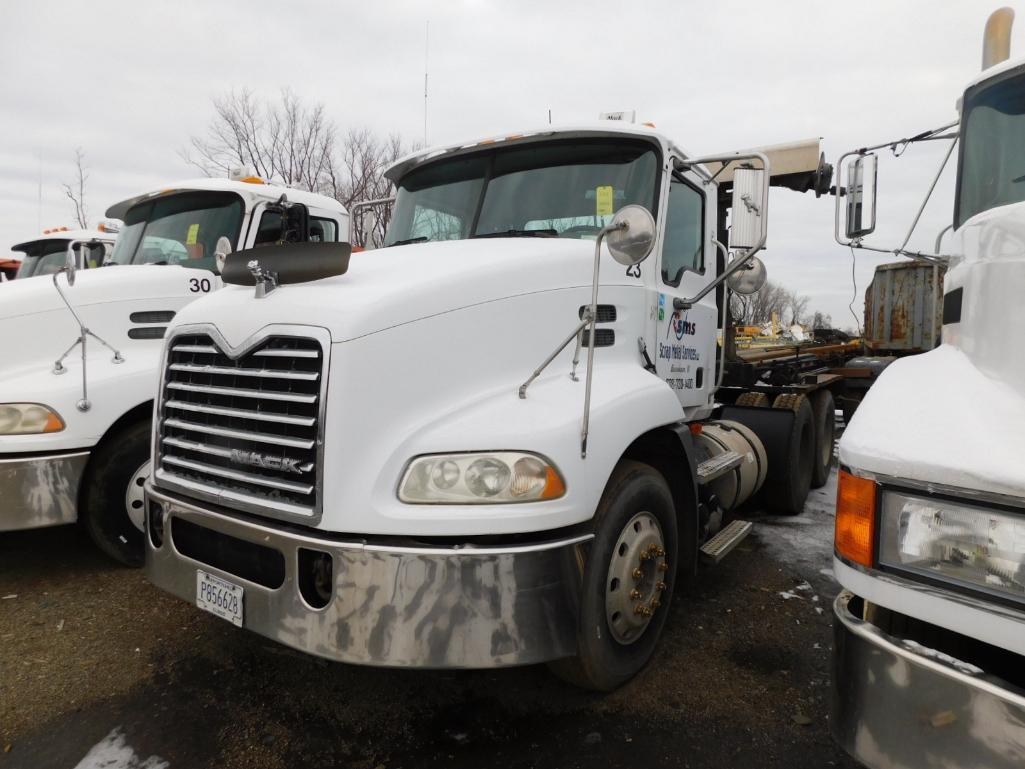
<point>603,201</point>
<point>193,234</point>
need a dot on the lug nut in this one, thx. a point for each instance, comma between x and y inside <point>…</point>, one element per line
<point>635,594</point>
<point>660,585</point>
<point>660,552</point>
<point>638,573</point>
<point>663,566</point>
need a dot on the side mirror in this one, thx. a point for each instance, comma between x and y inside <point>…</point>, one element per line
<point>861,196</point>
<point>748,218</point>
<point>748,279</point>
<point>295,223</point>
<point>71,260</point>
<point>221,251</point>
<point>633,238</point>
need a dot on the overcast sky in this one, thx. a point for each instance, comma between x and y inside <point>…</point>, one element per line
<point>130,82</point>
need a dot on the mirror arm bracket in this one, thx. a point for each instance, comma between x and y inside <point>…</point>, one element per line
<point>738,264</point>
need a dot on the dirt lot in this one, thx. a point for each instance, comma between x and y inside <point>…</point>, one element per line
<point>98,668</point>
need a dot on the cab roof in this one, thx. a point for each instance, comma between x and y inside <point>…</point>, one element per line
<point>250,192</point>
<point>67,235</point>
<point>996,69</point>
<point>599,128</point>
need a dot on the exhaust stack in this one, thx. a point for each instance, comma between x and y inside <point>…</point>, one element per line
<point>996,41</point>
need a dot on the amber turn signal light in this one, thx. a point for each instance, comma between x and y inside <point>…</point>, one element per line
<point>855,518</point>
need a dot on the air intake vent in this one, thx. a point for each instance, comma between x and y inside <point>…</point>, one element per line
<point>154,316</point>
<point>147,332</point>
<point>606,313</point>
<point>244,432</point>
<point>603,337</point>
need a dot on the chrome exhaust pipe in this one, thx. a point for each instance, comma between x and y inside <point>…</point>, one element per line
<point>996,41</point>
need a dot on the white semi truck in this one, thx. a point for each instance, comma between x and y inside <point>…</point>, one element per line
<point>47,254</point>
<point>80,361</point>
<point>498,440</point>
<point>929,648</point>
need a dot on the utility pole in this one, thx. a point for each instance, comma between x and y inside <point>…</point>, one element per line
<point>427,42</point>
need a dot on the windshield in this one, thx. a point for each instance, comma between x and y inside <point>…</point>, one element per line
<point>179,229</point>
<point>49,256</point>
<point>568,189</point>
<point>993,148</point>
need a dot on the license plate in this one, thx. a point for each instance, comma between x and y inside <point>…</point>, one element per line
<point>219,597</point>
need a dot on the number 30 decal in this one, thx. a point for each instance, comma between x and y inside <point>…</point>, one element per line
<point>199,284</point>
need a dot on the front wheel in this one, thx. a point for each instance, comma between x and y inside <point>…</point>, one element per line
<point>112,510</point>
<point>628,580</point>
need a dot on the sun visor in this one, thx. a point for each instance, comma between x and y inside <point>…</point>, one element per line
<point>291,262</point>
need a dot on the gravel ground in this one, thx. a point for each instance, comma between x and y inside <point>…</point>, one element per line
<point>98,668</point>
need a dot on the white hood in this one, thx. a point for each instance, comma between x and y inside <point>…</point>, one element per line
<point>393,286</point>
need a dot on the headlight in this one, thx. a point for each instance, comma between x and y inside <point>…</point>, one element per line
<point>977,547</point>
<point>467,479</point>
<point>28,419</point>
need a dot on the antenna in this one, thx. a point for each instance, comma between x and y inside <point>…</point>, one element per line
<point>427,42</point>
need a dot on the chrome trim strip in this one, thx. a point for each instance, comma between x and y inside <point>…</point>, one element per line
<point>200,348</point>
<point>225,411</point>
<point>240,392</point>
<point>258,506</point>
<point>235,475</point>
<point>224,432</point>
<point>46,457</point>
<point>275,352</point>
<point>267,373</point>
<point>423,607</point>
<point>228,496</point>
<point>928,487</point>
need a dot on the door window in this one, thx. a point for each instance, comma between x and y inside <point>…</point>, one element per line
<point>683,246</point>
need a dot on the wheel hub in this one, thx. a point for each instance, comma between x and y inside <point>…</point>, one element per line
<point>636,578</point>
<point>134,501</point>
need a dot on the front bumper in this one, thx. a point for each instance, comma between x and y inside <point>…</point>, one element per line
<point>391,605</point>
<point>40,491</point>
<point>899,705</point>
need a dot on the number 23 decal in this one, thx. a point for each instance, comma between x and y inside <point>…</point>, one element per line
<point>634,270</point>
<point>199,284</point>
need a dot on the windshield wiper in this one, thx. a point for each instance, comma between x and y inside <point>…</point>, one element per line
<point>407,241</point>
<point>549,233</point>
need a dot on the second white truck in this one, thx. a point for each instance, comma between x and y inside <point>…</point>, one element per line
<point>80,361</point>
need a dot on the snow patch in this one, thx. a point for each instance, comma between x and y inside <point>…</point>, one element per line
<point>113,752</point>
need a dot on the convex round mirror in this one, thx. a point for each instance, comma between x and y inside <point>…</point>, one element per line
<point>749,278</point>
<point>221,251</point>
<point>71,261</point>
<point>635,237</point>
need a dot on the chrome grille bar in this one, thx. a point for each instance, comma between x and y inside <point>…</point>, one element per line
<point>266,373</point>
<point>241,392</point>
<point>301,488</point>
<point>274,440</point>
<point>261,416</point>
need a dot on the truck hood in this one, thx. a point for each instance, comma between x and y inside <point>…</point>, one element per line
<point>392,286</point>
<point>35,295</point>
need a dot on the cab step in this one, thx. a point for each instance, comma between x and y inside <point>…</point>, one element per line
<point>729,537</point>
<point>718,465</point>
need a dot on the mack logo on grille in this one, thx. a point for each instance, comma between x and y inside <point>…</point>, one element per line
<point>256,459</point>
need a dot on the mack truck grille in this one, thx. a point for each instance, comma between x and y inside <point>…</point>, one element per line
<point>243,431</point>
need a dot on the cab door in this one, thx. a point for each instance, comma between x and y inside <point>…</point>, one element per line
<point>685,339</point>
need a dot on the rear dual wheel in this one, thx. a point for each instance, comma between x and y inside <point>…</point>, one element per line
<point>787,485</point>
<point>628,580</point>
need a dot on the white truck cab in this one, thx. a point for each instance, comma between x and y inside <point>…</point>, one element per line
<point>929,648</point>
<point>82,348</point>
<point>495,441</point>
<point>47,254</point>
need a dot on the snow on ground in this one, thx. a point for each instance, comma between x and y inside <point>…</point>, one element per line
<point>113,752</point>
<point>804,541</point>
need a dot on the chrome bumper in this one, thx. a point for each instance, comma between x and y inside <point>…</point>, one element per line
<point>40,491</point>
<point>428,607</point>
<point>898,705</point>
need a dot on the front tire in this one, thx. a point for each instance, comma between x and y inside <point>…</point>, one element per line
<point>628,580</point>
<point>112,508</point>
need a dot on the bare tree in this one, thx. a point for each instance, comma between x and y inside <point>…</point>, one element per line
<point>76,190</point>
<point>771,300</point>
<point>295,144</point>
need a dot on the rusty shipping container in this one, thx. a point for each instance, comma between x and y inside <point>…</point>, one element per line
<point>904,308</point>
